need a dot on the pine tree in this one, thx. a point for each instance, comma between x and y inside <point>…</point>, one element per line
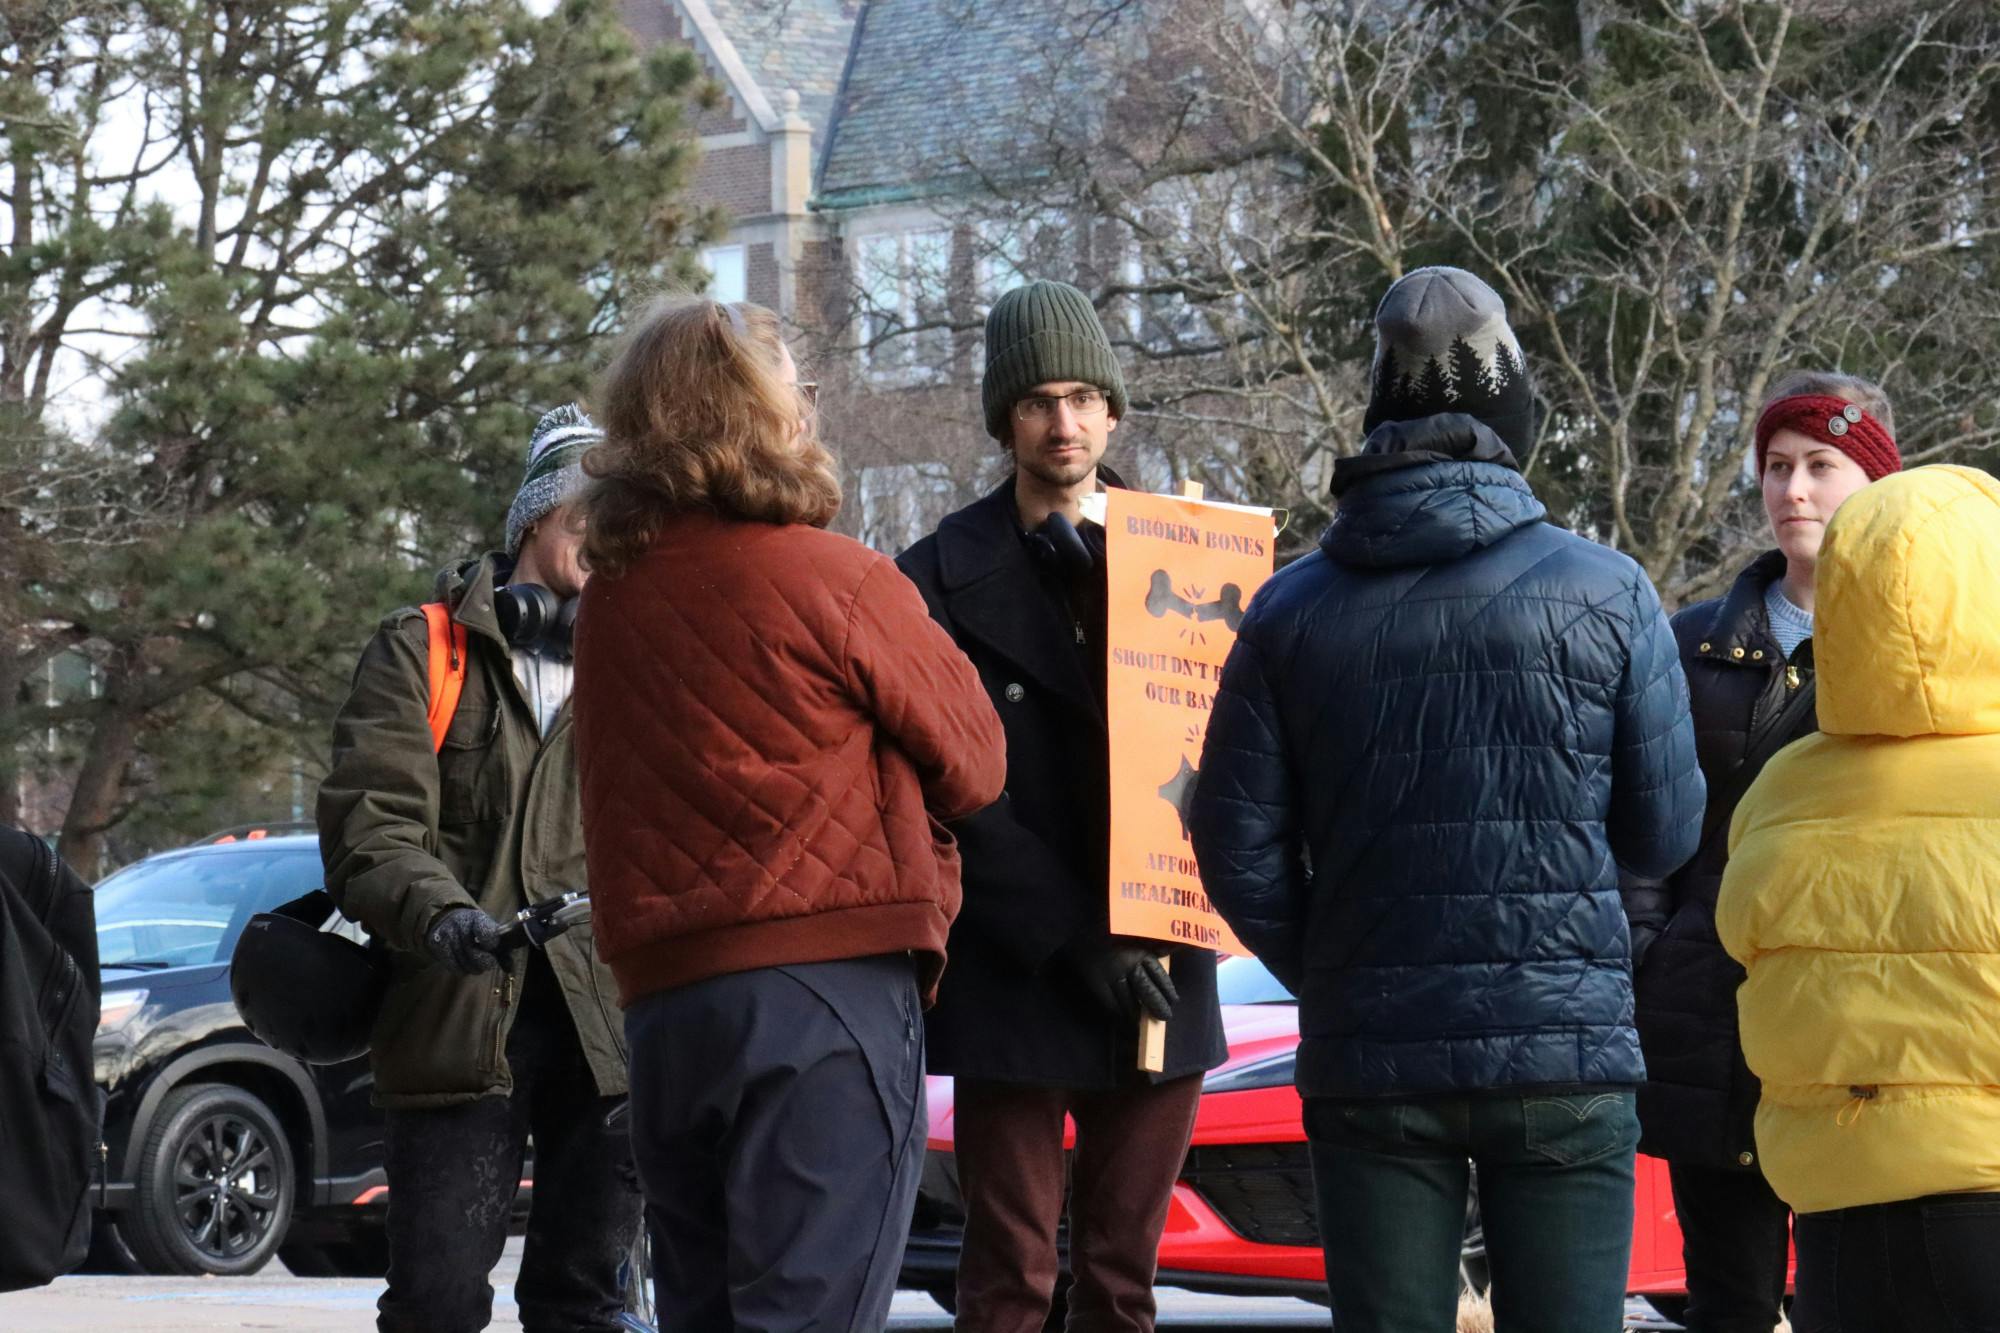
<point>1434,387</point>
<point>1470,379</point>
<point>1388,375</point>
<point>399,231</point>
<point>1509,374</point>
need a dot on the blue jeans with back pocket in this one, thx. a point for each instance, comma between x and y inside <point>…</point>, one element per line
<point>1555,1180</point>
<point>1929,1265</point>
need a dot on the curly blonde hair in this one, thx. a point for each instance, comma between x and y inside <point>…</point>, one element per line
<point>697,414</point>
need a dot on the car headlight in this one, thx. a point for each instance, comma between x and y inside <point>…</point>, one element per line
<point>1272,1072</point>
<point>118,1009</point>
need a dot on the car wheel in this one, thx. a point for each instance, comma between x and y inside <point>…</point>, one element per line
<point>636,1274</point>
<point>108,1251</point>
<point>214,1184</point>
<point>1059,1305</point>
<point>946,1295</point>
<point>1672,1308</point>
<point>364,1253</point>
<point>307,1261</point>
<point>1474,1274</point>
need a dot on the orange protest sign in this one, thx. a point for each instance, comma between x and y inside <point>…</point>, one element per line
<point>1178,574</point>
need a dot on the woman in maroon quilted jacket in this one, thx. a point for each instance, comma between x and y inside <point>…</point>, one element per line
<point>769,729</point>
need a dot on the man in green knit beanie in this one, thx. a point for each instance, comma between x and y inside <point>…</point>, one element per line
<point>1038,1014</point>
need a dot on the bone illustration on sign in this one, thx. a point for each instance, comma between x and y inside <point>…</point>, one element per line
<point>1178,791</point>
<point>1161,598</point>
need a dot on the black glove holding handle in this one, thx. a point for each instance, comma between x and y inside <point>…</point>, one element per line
<point>1126,978</point>
<point>466,940</point>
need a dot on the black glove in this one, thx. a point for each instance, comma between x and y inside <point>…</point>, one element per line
<point>466,940</point>
<point>1125,978</point>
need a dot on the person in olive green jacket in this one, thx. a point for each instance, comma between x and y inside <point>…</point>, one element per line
<point>432,846</point>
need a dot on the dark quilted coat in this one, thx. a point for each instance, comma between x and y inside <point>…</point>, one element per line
<point>1436,738</point>
<point>769,730</point>
<point>1037,865</point>
<point>1700,1098</point>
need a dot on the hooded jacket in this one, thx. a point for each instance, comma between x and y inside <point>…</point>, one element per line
<point>1436,739</point>
<point>489,820</point>
<point>1863,888</point>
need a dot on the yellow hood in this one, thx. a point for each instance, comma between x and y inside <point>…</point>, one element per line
<point>1907,632</point>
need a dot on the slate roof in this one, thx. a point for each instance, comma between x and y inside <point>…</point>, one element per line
<point>795,44</point>
<point>935,83</point>
<point>903,94</point>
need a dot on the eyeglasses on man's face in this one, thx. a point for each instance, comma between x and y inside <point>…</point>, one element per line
<point>1042,407</point>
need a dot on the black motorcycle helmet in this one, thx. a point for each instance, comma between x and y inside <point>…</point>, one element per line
<point>305,991</point>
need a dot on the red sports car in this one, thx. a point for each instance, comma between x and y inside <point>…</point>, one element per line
<point>1242,1220</point>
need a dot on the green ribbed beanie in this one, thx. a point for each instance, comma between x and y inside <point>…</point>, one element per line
<point>1044,333</point>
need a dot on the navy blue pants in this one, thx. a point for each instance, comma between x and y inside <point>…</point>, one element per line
<point>778,1125</point>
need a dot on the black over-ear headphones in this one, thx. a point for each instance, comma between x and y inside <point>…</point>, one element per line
<point>534,618</point>
<point>1058,545</point>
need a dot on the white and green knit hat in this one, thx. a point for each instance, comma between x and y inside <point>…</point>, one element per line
<point>555,468</point>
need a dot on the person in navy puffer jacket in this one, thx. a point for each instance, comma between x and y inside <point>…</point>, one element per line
<point>1437,739</point>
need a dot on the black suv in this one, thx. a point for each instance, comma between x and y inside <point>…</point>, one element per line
<point>222,1150</point>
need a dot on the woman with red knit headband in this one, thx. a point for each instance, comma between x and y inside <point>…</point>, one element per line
<point>1820,438</point>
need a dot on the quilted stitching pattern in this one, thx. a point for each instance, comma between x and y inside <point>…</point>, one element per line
<point>1699,1096</point>
<point>767,720</point>
<point>1436,739</point>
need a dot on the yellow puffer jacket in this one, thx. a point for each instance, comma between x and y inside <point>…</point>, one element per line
<point>1863,891</point>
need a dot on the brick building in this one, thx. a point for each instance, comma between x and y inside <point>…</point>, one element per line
<point>889,166</point>
<point>848,130</point>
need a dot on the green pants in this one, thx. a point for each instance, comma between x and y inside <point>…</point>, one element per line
<point>1555,1196</point>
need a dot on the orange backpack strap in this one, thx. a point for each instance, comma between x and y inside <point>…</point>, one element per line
<point>447,669</point>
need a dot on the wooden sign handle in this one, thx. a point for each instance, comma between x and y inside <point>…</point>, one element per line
<point>1153,1033</point>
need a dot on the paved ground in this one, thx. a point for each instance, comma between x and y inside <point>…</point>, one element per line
<point>273,1299</point>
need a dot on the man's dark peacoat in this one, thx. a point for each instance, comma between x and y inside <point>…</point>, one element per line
<point>1036,861</point>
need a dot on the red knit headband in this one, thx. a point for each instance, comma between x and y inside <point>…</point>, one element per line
<point>1834,422</point>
